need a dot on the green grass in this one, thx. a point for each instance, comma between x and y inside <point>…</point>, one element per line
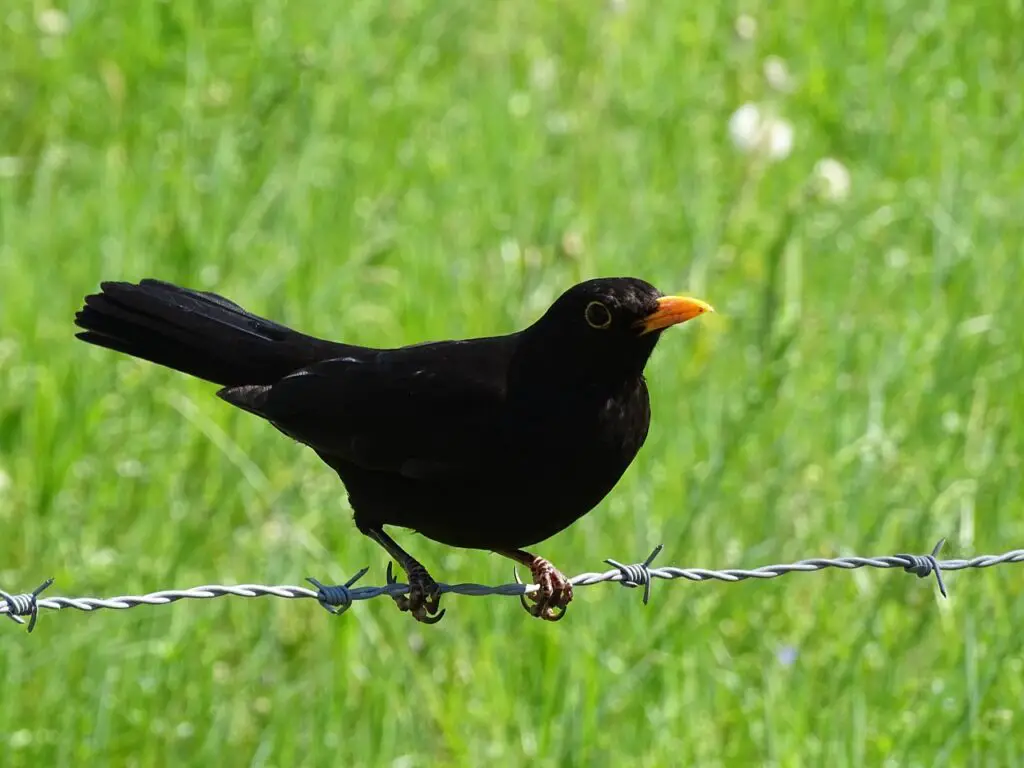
<point>393,172</point>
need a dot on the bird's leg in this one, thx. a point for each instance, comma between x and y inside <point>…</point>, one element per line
<point>552,598</point>
<point>424,596</point>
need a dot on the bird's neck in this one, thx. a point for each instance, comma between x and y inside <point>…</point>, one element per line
<point>543,373</point>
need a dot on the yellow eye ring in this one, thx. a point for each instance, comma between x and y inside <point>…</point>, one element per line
<point>597,315</point>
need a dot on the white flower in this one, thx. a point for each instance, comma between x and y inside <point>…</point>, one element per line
<point>777,73</point>
<point>746,27</point>
<point>780,139</point>
<point>755,132</point>
<point>743,126</point>
<point>831,179</point>
<point>53,22</point>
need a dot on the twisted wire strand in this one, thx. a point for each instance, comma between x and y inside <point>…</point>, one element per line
<point>339,598</point>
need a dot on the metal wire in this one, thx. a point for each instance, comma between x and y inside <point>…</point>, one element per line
<point>338,598</point>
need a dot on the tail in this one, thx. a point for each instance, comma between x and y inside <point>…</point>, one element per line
<point>198,333</point>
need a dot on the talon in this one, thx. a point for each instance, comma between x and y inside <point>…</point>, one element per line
<point>400,600</point>
<point>424,597</point>
<point>551,614</point>
<point>522,598</point>
<point>553,608</point>
<point>424,619</point>
<point>553,594</point>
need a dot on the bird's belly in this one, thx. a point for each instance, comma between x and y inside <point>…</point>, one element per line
<point>554,468</point>
<point>522,502</point>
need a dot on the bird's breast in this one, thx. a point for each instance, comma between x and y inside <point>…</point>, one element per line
<point>545,466</point>
<point>573,453</point>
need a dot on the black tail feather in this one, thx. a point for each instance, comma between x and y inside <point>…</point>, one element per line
<point>199,333</point>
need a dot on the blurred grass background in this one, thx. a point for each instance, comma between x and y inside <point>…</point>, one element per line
<point>394,172</point>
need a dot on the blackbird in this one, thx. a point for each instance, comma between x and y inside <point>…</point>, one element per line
<point>492,443</point>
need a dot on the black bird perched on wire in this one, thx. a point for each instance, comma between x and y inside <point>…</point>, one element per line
<point>492,443</point>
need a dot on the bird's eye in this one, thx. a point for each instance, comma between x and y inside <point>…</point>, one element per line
<point>597,315</point>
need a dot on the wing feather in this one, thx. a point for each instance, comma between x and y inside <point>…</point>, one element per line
<point>422,412</point>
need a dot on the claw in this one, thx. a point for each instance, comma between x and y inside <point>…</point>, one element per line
<point>553,594</point>
<point>522,598</point>
<point>400,600</point>
<point>423,618</point>
<point>424,597</point>
<point>552,614</point>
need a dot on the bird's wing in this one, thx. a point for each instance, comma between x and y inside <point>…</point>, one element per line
<point>429,411</point>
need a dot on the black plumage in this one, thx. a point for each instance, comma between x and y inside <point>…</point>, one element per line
<point>492,443</point>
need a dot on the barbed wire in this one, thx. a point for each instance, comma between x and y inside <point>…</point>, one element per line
<point>339,598</point>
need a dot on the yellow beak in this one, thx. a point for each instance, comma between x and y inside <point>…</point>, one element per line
<point>673,310</point>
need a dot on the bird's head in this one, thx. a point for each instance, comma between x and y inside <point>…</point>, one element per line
<point>609,326</point>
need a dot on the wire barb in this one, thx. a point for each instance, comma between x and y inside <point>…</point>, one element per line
<point>339,598</point>
<point>637,574</point>
<point>924,566</point>
<point>25,604</point>
<point>336,599</point>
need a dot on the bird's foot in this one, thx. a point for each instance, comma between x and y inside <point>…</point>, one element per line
<point>424,598</point>
<point>551,599</point>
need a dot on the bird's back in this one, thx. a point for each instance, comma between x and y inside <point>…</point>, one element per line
<point>418,412</point>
